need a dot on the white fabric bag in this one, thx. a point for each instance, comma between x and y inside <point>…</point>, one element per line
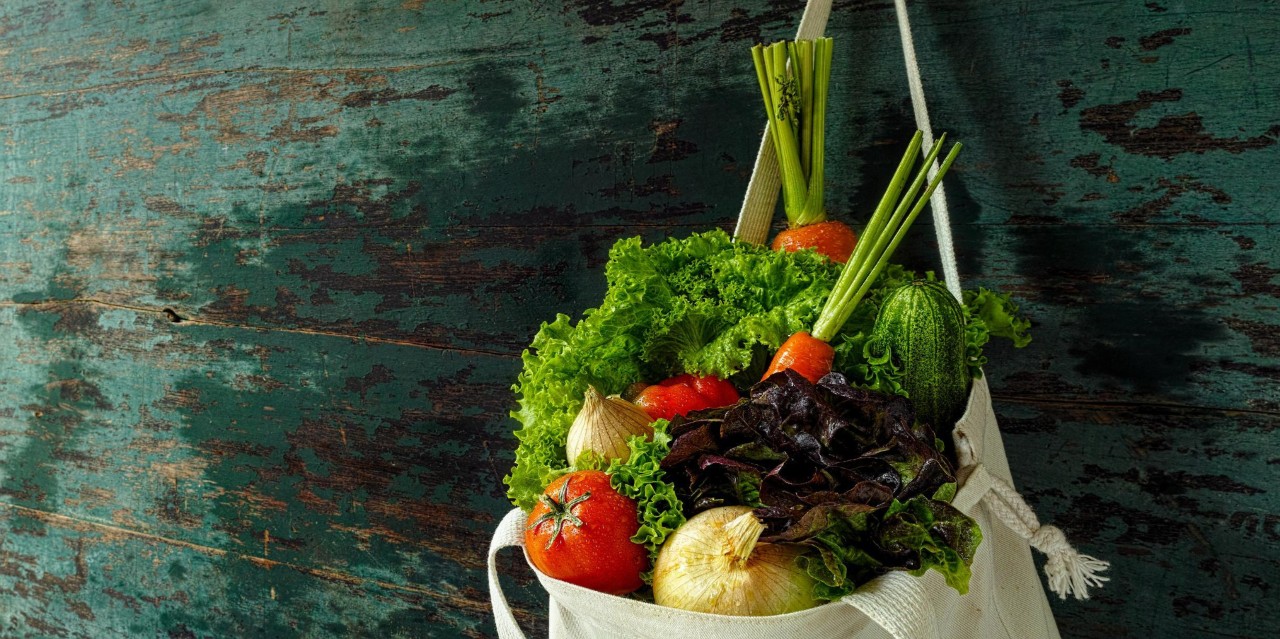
<point>1005,599</point>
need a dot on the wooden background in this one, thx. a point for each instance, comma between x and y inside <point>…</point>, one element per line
<point>267,267</point>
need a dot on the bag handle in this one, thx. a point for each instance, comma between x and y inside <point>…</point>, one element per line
<point>510,532</point>
<point>897,602</point>
<point>941,216</point>
<point>756,215</point>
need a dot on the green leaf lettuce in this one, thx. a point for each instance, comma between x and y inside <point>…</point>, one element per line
<point>701,304</point>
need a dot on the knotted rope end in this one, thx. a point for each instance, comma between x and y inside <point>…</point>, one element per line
<point>1069,572</point>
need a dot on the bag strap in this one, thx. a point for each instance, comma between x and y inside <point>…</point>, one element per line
<point>941,216</point>
<point>509,533</point>
<point>756,215</point>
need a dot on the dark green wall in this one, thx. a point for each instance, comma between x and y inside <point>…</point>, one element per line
<point>266,270</point>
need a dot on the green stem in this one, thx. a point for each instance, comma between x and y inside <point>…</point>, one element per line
<point>897,238</point>
<point>802,58</point>
<point>820,71</point>
<point>784,123</point>
<point>825,328</point>
<point>793,78</point>
<point>881,240</point>
<point>882,236</point>
<point>879,217</point>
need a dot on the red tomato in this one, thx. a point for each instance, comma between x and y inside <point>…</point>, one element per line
<point>580,532</point>
<point>716,390</point>
<point>685,393</point>
<point>665,402</point>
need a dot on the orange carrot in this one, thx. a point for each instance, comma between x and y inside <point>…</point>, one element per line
<point>811,355</point>
<point>804,354</point>
<point>831,238</point>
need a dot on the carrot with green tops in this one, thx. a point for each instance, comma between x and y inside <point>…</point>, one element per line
<point>811,354</point>
<point>793,80</point>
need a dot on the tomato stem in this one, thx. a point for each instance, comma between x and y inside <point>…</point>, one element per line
<point>560,512</point>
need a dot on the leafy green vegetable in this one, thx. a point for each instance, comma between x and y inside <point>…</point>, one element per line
<point>710,301</point>
<point>701,305</point>
<point>990,313</point>
<point>641,478</point>
<point>562,361</point>
<point>931,534</point>
<point>845,471</point>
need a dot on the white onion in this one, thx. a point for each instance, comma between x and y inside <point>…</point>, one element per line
<point>604,425</point>
<point>714,564</point>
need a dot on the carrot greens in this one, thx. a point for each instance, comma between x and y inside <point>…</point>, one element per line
<point>884,232</point>
<point>793,80</point>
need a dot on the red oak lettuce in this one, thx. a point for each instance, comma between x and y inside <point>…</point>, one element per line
<point>846,471</point>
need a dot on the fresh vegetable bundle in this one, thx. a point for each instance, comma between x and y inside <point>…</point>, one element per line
<point>770,417</point>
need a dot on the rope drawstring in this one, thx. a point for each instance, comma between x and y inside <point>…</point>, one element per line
<point>1069,572</point>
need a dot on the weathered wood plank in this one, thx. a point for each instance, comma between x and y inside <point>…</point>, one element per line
<point>88,580</point>
<point>326,458</point>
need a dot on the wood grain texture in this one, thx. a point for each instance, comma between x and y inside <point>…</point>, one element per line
<point>267,271</point>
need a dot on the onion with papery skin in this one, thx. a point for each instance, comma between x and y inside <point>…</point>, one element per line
<point>714,564</point>
<point>604,425</point>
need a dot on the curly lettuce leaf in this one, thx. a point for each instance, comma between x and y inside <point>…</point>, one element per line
<point>989,313</point>
<point>837,567</point>
<point>881,370</point>
<point>562,361</point>
<point>702,304</point>
<point>641,478</point>
<point>930,534</point>
<point>728,301</point>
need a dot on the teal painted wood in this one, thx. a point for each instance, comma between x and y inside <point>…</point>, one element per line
<point>267,272</point>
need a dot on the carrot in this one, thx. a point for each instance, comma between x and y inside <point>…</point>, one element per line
<point>804,354</point>
<point>831,238</point>
<point>794,78</point>
<point>811,355</point>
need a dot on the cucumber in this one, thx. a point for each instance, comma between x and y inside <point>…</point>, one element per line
<point>922,326</point>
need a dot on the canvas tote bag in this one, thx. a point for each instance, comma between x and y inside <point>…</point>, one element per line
<point>1005,599</point>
